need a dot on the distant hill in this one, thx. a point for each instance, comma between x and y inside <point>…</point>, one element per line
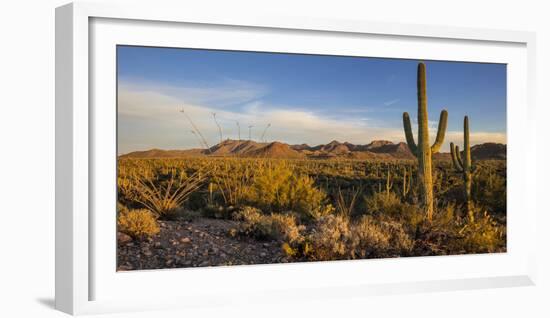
<point>276,150</point>
<point>489,150</point>
<point>159,153</point>
<point>378,149</point>
<point>234,147</point>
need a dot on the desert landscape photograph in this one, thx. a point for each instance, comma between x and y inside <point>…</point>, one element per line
<point>240,158</point>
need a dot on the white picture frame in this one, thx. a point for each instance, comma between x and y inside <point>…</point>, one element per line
<point>86,281</point>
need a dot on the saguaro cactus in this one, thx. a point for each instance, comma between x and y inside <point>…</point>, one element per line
<point>423,150</point>
<point>464,166</point>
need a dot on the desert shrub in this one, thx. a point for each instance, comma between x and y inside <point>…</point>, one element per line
<point>388,206</point>
<point>231,183</point>
<point>282,227</point>
<point>330,239</point>
<point>271,188</point>
<point>400,243</point>
<point>163,194</point>
<point>139,224</point>
<point>346,200</point>
<point>379,238</point>
<point>277,188</point>
<point>451,232</point>
<point>483,235</point>
<point>336,237</point>
<point>307,199</point>
<point>489,190</point>
<point>121,208</point>
<point>384,203</point>
<point>368,239</point>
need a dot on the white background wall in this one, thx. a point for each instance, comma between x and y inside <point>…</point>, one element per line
<point>27,157</point>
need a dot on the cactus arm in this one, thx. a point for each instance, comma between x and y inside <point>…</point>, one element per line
<point>442,127</point>
<point>456,164</point>
<point>408,133</point>
<point>458,158</point>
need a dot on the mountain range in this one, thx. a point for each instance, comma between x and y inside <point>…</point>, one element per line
<point>378,149</point>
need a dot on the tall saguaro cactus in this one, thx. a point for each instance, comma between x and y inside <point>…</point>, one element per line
<point>423,151</point>
<point>464,166</point>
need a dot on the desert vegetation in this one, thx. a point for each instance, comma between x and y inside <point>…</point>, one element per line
<point>315,209</point>
<point>279,203</point>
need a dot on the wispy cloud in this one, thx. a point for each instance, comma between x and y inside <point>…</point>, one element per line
<point>391,102</point>
<point>149,117</point>
<point>224,93</point>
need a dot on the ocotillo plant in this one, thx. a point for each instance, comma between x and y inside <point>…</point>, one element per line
<point>423,151</point>
<point>464,166</point>
<point>196,129</point>
<point>239,129</point>
<point>219,127</point>
<point>250,132</point>
<point>263,134</point>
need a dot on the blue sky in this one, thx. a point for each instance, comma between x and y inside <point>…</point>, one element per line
<point>306,98</point>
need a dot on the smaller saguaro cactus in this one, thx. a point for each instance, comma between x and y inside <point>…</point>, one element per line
<point>464,165</point>
<point>389,182</point>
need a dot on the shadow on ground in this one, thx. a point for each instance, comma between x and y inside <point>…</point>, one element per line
<point>47,302</point>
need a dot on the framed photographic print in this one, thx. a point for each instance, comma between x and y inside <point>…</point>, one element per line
<point>237,155</point>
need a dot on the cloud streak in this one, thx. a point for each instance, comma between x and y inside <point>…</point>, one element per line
<point>149,117</point>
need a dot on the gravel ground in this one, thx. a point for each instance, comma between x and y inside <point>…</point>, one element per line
<point>197,243</point>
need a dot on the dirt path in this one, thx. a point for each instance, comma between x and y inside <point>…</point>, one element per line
<point>201,242</point>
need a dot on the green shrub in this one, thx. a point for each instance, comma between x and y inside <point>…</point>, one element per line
<point>277,188</point>
<point>388,206</point>
<point>384,203</point>
<point>489,190</point>
<point>139,224</point>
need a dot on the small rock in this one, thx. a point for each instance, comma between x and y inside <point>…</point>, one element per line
<point>185,240</point>
<point>147,253</point>
<point>123,238</point>
<point>125,268</point>
<point>263,254</point>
